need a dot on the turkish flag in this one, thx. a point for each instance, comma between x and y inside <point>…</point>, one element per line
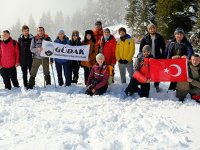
<point>168,70</point>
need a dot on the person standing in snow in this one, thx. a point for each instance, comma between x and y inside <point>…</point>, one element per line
<point>75,65</point>
<point>124,53</point>
<point>9,60</point>
<point>87,65</point>
<point>191,87</point>
<point>179,47</point>
<point>36,48</point>
<point>141,75</point>
<point>157,44</point>
<point>97,83</point>
<point>98,31</point>
<point>63,64</point>
<point>107,48</point>
<point>26,57</point>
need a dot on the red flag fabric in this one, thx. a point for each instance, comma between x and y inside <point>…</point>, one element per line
<point>168,70</point>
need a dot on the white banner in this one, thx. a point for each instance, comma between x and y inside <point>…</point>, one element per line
<point>61,51</point>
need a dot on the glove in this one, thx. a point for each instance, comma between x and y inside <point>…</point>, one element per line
<point>121,61</point>
<point>125,61</point>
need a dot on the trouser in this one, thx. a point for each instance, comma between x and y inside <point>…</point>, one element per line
<point>133,87</point>
<point>75,65</point>
<point>25,70</point>
<point>100,91</point>
<point>67,73</point>
<point>122,70</point>
<point>8,75</point>
<point>156,84</point>
<point>182,94</point>
<point>34,69</point>
<point>172,86</point>
<point>86,73</point>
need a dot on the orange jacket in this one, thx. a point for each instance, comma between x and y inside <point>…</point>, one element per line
<point>98,33</point>
<point>92,54</point>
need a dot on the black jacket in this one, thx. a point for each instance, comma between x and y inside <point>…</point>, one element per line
<point>25,53</point>
<point>159,44</point>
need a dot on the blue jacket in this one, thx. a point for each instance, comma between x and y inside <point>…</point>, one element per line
<point>65,41</point>
<point>185,48</point>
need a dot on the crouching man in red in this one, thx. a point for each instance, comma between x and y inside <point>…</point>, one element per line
<point>9,60</point>
<point>141,76</point>
<point>97,83</point>
<point>193,85</point>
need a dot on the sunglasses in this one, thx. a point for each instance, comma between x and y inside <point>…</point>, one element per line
<point>98,24</point>
<point>75,35</point>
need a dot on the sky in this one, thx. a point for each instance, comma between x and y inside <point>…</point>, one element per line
<point>11,10</point>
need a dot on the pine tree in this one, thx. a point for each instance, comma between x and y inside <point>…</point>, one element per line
<point>139,14</point>
<point>32,25</point>
<point>16,30</point>
<point>58,22</point>
<point>172,14</point>
<point>47,22</point>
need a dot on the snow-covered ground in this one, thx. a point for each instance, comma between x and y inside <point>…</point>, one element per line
<point>64,118</point>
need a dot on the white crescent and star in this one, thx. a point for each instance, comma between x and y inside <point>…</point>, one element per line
<point>166,70</point>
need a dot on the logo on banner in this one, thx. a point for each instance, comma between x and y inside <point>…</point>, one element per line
<point>49,49</point>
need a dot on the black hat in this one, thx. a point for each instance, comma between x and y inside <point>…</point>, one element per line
<point>179,30</point>
<point>98,23</point>
<point>122,29</point>
<point>106,30</point>
<point>89,32</point>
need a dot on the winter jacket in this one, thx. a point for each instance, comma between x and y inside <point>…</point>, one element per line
<point>75,43</point>
<point>98,33</point>
<point>92,54</point>
<point>65,41</point>
<point>159,44</point>
<point>26,57</point>
<point>173,48</point>
<point>108,49</point>
<point>142,72</point>
<point>98,76</point>
<point>9,53</point>
<point>125,49</point>
<point>194,74</point>
<point>37,43</point>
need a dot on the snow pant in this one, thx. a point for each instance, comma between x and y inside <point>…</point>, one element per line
<point>25,70</point>
<point>122,70</point>
<point>100,91</point>
<point>8,75</point>
<point>75,65</point>
<point>172,86</point>
<point>182,94</point>
<point>86,73</point>
<point>34,69</point>
<point>66,67</point>
<point>133,87</point>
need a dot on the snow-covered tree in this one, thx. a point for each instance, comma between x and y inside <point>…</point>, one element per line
<point>32,25</point>
<point>16,30</point>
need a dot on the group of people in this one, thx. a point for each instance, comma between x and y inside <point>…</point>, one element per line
<point>105,51</point>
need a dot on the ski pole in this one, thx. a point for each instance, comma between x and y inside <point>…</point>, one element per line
<point>53,75</point>
<point>43,73</point>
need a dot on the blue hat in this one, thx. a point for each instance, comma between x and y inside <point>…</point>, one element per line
<point>61,31</point>
<point>179,30</point>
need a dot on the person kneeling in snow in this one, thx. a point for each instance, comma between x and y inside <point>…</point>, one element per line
<point>141,76</point>
<point>97,83</point>
<point>193,84</point>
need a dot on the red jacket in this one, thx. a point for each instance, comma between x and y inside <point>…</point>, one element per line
<point>142,72</point>
<point>9,54</point>
<point>99,75</point>
<point>108,49</point>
